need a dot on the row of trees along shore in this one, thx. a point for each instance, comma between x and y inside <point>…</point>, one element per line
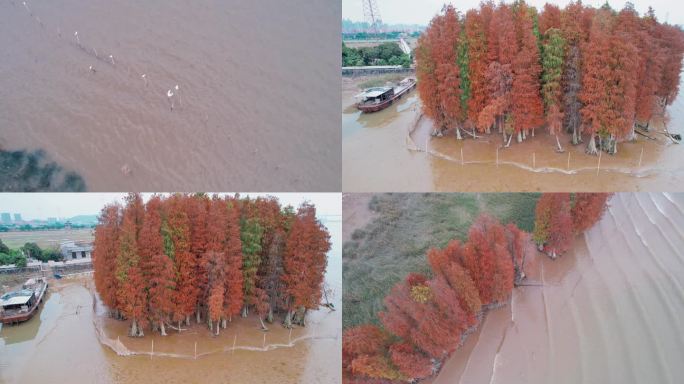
<point>163,262</point>
<point>426,318</point>
<point>592,72</point>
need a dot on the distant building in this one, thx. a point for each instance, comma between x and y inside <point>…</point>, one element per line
<point>52,220</point>
<point>17,217</point>
<point>6,218</point>
<point>73,250</point>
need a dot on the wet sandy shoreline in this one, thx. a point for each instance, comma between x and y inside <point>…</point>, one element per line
<point>606,312</point>
<point>380,153</point>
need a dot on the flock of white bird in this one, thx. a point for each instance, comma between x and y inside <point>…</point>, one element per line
<point>171,94</point>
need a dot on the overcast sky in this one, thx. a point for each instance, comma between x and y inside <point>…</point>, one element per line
<point>422,11</point>
<point>44,205</point>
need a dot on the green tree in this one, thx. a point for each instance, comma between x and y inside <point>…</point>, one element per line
<point>32,250</point>
<point>553,61</point>
<point>250,235</point>
<point>50,254</point>
<point>20,261</point>
<point>4,248</point>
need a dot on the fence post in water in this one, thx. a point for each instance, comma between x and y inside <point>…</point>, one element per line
<point>195,350</point>
<point>234,340</point>
<point>534,160</point>
<point>642,155</point>
<point>598,167</point>
<point>461,156</point>
<point>289,337</point>
<point>497,157</point>
<point>568,160</point>
<point>152,349</point>
<point>263,345</point>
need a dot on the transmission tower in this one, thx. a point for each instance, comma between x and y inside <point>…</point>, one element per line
<point>371,15</point>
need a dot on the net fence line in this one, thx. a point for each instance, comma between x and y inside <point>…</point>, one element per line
<point>118,347</point>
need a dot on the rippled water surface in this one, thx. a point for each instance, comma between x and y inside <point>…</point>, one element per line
<point>256,107</point>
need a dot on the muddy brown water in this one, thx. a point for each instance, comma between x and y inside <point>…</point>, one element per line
<point>255,111</point>
<point>382,152</point>
<point>608,312</point>
<point>63,344</point>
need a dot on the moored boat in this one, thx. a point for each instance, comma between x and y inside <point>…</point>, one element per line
<point>21,305</point>
<point>378,98</point>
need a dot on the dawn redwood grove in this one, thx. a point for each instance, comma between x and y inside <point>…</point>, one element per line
<point>595,73</point>
<point>162,263</point>
<point>427,317</point>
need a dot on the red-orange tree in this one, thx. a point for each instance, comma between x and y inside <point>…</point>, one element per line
<point>527,109</point>
<point>158,268</point>
<point>165,260</point>
<point>304,261</point>
<point>105,252</point>
<point>587,209</point>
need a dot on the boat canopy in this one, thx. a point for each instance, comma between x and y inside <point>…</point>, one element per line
<point>372,93</point>
<point>16,298</point>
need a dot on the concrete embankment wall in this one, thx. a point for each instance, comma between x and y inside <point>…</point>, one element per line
<point>67,269</point>
<point>379,70</point>
<point>17,275</point>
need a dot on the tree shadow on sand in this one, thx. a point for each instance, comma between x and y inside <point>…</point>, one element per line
<point>23,171</point>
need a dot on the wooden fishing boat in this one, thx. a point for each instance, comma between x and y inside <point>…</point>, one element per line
<point>379,98</point>
<point>19,306</point>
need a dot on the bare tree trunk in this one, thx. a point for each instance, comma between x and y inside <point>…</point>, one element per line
<point>163,330</point>
<point>263,326</point>
<point>224,323</point>
<point>458,133</point>
<point>134,329</point>
<point>218,329</point>
<point>244,311</point>
<point>575,140</point>
<point>187,320</point>
<point>269,318</point>
<point>591,146</point>
<point>288,319</point>
<point>509,141</point>
<point>560,148</point>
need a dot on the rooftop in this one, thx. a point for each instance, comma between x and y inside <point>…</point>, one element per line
<point>373,92</point>
<point>16,298</point>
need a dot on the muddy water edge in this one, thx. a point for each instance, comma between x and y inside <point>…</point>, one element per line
<point>379,154</point>
<point>608,311</point>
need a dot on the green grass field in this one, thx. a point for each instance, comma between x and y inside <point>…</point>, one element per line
<point>45,239</point>
<point>406,226</point>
